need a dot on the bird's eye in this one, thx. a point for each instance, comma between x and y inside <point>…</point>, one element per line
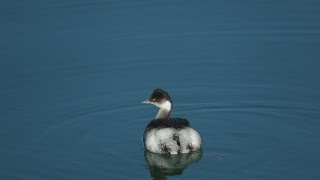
<point>153,100</point>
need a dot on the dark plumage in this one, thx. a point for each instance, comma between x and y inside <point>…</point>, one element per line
<point>158,95</point>
<point>176,123</point>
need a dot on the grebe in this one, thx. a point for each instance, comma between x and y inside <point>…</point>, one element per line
<point>165,135</point>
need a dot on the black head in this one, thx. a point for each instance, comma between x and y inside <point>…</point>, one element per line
<point>162,100</point>
<point>159,96</point>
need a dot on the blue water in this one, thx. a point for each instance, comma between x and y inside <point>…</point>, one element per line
<point>73,74</point>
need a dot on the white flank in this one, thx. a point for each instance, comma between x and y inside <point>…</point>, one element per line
<point>156,138</point>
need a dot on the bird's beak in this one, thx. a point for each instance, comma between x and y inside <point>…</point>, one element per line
<point>146,102</point>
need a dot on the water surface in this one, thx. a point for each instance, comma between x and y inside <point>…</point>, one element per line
<point>73,74</point>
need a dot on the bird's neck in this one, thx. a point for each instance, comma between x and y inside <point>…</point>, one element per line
<point>164,111</point>
<point>163,114</point>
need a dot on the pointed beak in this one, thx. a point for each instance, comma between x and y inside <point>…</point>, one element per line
<point>146,102</point>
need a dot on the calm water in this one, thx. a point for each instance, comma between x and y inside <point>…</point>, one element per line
<point>73,74</point>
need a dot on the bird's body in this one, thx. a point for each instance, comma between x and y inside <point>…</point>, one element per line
<point>165,135</point>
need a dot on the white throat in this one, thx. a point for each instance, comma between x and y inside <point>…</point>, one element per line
<point>164,111</point>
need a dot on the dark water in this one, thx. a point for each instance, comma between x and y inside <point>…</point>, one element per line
<point>73,74</point>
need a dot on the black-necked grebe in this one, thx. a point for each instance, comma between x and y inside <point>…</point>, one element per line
<point>165,135</point>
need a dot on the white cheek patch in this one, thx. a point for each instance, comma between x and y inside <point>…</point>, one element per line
<point>165,105</point>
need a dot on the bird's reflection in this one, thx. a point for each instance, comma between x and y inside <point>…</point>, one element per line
<point>163,165</point>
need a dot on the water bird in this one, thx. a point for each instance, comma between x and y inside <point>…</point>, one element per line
<point>166,135</point>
